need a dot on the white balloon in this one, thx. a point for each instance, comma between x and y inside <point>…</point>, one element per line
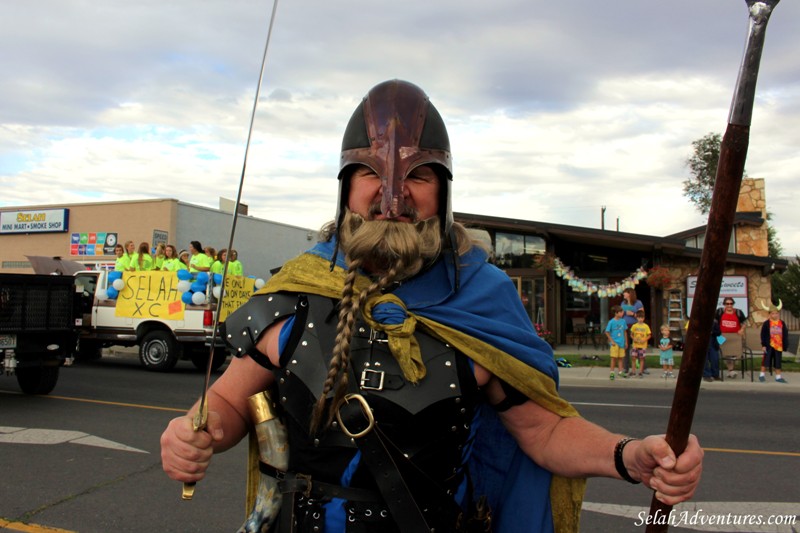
<point>102,295</point>
<point>198,298</point>
<point>259,283</point>
<point>118,284</point>
<point>216,291</point>
<point>184,285</point>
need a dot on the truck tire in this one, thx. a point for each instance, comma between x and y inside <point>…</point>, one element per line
<point>158,351</point>
<point>37,379</point>
<point>200,358</point>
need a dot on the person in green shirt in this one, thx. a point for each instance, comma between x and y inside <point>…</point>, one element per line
<point>171,261</point>
<point>183,259</point>
<point>161,256</point>
<point>142,261</point>
<point>130,250</point>
<point>219,264</point>
<point>123,261</point>
<point>235,267</point>
<point>199,262</point>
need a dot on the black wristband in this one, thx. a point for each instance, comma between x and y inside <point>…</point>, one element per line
<point>621,470</point>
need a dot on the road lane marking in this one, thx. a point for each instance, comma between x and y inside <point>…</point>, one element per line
<point>752,452</point>
<point>30,528</point>
<point>15,435</point>
<point>105,402</point>
<point>119,404</point>
<point>593,404</point>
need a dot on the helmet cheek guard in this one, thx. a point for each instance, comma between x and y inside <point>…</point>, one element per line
<point>394,130</point>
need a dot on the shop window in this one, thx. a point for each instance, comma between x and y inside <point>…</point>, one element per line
<point>513,250</point>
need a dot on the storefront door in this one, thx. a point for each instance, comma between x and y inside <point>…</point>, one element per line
<point>531,292</point>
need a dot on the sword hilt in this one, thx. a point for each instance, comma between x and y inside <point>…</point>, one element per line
<point>199,423</point>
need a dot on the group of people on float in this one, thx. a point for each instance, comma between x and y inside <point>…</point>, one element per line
<point>166,257</point>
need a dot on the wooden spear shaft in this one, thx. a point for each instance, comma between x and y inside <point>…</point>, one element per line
<point>730,170</point>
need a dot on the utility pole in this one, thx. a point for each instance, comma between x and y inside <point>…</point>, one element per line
<point>603,217</point>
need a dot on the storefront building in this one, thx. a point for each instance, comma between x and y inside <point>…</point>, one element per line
<point>558,269</point>
<point>88,232</point>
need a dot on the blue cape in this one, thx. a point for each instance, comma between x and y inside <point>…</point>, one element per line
<point>486,306</point>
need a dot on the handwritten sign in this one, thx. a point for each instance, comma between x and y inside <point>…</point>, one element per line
<point>238,289</point>
<point>150,295</point>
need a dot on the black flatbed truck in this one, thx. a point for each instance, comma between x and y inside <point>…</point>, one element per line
<point>37,328</point>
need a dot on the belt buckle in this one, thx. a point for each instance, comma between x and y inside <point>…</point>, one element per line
<point>366,379</point>
<point>377,336</point>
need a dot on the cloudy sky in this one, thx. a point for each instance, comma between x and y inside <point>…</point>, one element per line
<point>555,109</point>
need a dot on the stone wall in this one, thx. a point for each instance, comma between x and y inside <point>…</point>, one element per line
<point>752,240</point>
<point>759,287</point>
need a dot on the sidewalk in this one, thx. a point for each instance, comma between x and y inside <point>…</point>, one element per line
<point>597,376</point>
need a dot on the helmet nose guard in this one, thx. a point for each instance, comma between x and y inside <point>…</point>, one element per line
<point>394,130</point>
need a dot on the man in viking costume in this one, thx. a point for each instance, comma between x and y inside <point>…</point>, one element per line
<point>415,392</point>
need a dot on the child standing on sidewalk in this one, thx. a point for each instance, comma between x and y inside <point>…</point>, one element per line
<point>640,335</point>
<point>665,345</point>
<point>618,340</point>
<point>774,338</point>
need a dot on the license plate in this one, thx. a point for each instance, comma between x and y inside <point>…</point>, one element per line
<point>8,341</point>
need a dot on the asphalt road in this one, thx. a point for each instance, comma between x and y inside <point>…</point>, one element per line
<point>94,466</point>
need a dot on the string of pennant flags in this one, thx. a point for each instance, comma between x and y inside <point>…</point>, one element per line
<point>609,290</point>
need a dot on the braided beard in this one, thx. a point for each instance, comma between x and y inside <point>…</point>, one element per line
<point>383,245</point>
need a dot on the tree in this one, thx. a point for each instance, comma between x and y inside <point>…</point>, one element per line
<point>698,189</point>
<point>773,242</point>
<point>703,167</point>
<point>786,287</point>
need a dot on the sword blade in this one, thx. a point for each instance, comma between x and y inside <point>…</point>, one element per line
<point>201,417</point>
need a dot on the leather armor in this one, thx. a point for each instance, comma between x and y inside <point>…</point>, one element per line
<point>429,422</point>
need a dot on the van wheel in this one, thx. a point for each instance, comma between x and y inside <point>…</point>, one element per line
<point>158,351</point>
<point>199,358</point>
<point>37,379</point>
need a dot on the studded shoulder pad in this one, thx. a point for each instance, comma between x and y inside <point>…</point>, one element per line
<point>244,327</point>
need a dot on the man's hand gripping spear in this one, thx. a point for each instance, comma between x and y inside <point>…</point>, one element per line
<point>730,170</point>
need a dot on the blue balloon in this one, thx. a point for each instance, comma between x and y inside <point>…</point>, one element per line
<point>114,275</point>
<point>184,275</point>
<point>186,297</point>
<point>202,277</point>
<point>217,279</point>
<point>198,287</point>
<point>112,293</point>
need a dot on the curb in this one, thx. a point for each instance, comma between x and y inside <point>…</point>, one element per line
<point>597,376</point>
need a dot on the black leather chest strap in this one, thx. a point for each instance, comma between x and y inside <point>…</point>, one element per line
<point>397,478</point>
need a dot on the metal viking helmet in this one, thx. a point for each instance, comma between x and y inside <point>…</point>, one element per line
<point>393,130</point>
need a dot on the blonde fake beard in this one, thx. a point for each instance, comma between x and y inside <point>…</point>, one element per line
<point>390,251</point>
<point>383,245</point>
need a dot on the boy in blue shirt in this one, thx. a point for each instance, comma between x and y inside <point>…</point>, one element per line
<point>617,340</point>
